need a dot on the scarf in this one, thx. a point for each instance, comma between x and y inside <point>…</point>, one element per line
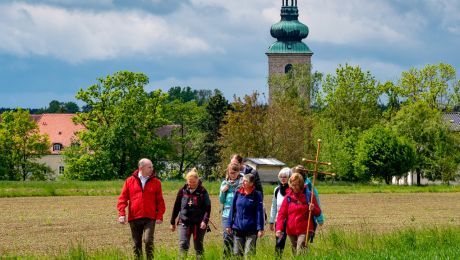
<point>283,188</point>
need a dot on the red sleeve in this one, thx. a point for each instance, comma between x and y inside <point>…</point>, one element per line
<point>282,215</point>
<point>317,210</point>
<point>160,202</point>
<point>123,199</point>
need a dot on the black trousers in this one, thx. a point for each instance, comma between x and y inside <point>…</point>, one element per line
<point>143,227</point>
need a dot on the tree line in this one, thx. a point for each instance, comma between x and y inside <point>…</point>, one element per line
<point>371,130</point>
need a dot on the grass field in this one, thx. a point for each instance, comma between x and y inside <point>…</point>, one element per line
<point>362,225</point>
<point>107,188</point>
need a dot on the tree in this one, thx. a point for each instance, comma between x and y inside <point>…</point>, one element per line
<point>55,107</point>
<point>187,136</point>
<point>382,154</point>
<point>121,128</point>
<point>434,143</point>
<point>434,84</point>
<point>350,99</point>
<point>216,109</point>
<point>71,107</point>
<point>244,131</point>
<point>20,145</point>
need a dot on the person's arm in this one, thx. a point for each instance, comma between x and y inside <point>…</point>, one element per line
<point>207,207</point>
<point>123,200</point>
<point>222,194</point>
<point>260,212</point>
<point>274,208</point>
<point>176,209</point>
<point>282,215</point>
<point>316,210</point>
<point>320,218</point>
<point>258,182</point>
<point>160,202</point>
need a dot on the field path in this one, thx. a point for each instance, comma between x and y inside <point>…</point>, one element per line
<point>49,225</point>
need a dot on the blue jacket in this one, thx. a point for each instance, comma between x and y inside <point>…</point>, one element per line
<point>247,213</point>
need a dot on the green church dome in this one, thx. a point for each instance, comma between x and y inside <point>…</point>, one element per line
<point>289,32</point>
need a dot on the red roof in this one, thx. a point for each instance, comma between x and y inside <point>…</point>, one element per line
<point>59,128</point>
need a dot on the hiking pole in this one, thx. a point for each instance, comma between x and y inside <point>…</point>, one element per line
<point>311,192</point>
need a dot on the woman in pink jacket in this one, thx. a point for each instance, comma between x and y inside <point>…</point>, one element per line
<point>294,212</point>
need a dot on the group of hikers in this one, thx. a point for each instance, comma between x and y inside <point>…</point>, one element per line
<point>243,212</point>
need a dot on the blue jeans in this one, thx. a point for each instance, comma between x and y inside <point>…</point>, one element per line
<point>228,239</point>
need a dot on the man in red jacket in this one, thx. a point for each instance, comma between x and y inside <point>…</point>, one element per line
<point>142,192</point>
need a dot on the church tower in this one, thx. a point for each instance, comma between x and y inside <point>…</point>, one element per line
<point>289,48</point>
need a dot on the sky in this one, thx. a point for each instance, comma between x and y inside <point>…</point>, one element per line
<point>49,49</point>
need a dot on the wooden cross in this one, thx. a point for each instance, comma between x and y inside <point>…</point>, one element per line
<point>316,162</point>
<point>190,203</point>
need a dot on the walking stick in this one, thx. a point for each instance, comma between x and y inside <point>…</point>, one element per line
<point>312,188</point>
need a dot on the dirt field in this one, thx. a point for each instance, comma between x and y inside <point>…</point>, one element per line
<point>49,225</point>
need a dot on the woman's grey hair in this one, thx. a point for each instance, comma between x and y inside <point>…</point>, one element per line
<point>285,172</point>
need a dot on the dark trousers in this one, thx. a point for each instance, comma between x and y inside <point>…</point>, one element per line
<point>228,240</point>
<point>143,227</point>
<point>280,244</point>
<point>185,232</point>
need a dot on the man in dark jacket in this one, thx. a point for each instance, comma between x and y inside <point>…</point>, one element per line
<point>245,169</point>
<point>142,192</point>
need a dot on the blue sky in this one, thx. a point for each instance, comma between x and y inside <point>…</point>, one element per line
<point>49,49</point>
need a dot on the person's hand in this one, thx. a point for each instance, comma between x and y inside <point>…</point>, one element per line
<point>312,206</point>
<point>225,188</point>
<point>278,233</point>
<point>203,225</point>
<point>320,224</point>
<point>229,230</point>
<point>122,219</point>
<point>159,221</point>
<point>260,233</point>
<point>272,227</point>
<point>173,228</point>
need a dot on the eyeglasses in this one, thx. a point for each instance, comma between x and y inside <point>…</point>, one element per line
<point>283,177</point>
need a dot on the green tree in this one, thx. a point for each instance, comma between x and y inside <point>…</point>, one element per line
<point>21,144</point>
<point>351,99</point>
<point>121,128</point>
<point>187,135</point>
<point>244,131</point>
<point>71,107</point>
<point>382,154</point>
<point>434,143</point>
<point>216,109</point>
<point>55,107</point>
<point>435,84</point>
<point>337,147</point>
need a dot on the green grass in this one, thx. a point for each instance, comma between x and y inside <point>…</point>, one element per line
<point>428,243</point>
<point>105,188</point>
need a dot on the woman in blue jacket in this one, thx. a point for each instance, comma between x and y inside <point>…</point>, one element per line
<point>246,217</point>
<point>228,188</point>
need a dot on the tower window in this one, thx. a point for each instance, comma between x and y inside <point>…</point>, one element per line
<point>288,68</point>
<point>57,147</point>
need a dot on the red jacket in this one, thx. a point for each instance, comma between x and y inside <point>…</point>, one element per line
<point>296,212</point>
<point>147,203</point>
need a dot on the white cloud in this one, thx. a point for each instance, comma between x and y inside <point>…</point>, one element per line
<point>359,22</point>
<point>76,36</point>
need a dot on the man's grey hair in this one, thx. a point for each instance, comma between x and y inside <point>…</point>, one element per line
<point>143,162</point>
<point>285,172</point>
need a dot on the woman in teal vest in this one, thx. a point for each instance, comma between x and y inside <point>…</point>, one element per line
<point>228,187</point>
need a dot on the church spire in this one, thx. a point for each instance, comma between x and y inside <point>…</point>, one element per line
<point>289,32</point>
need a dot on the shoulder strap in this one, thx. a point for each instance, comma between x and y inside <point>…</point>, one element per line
<point>277,189</point>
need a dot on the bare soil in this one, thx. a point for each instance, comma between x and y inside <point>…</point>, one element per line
<point>51,225</point>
